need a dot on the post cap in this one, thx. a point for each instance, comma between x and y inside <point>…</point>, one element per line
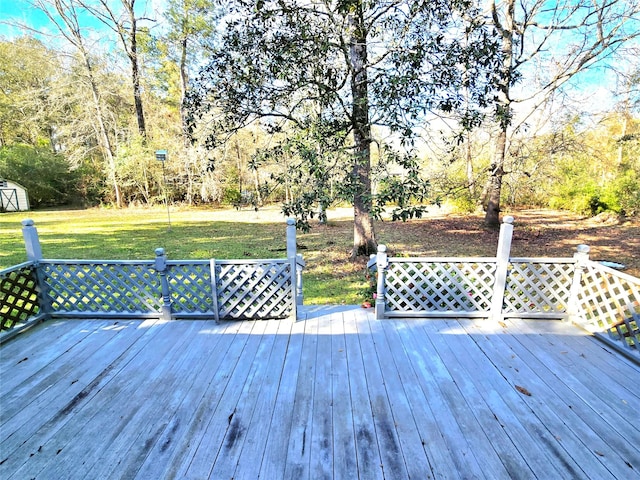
<point>508,219</point>
<point>382,248</point>
<point>583,248</point>
<point>159,252</point>
<point>291,221</point>
<point>27,222</point>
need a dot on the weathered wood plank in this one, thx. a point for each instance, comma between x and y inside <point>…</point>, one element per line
<point>448,429</point>
<point>242,416</point>
<point>133,420</point>
<point>486,432</point>
<point>298,450</point>
<point>505,402</point>
<point>599,432</point>
<point>21,360</point>
<point>152,430</point>
<point>393,462</point>
<point>175,448</point>
<point>113,404</point>
<point>263,420</point>
<point>367,447</point>
<point>554,413</point>
<point>221,428</point>
<point>407,411</point>
<point>617,398</point>
<point>86,369</point>
<point>337,395</point>
<point>274,457</point>
<point>321,428</point>
<point>344,444</point>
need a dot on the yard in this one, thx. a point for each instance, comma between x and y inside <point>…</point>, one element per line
<point>329,278</point>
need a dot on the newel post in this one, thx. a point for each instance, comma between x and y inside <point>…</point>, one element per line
<point>573,306</point>
<point>502,267</point>
<point>294,258</point>
<point>31,240</point>
<point>161,268</point>
<point>34,254</point>
<point>299,266</point>
<point>382,262</point>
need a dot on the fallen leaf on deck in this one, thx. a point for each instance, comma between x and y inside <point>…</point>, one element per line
<point>523,390</point>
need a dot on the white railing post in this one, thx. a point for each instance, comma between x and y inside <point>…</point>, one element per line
<point>581,256</point>
<point>34,254</point>
<point>161,268</point>
<point>31,241</point>
<point>292,256</point>
<point>382,262</point>
<point>299,266</point>
<point>291,238</point>
<point>502,267</point>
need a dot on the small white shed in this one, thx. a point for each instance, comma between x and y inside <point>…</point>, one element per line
<point>13,197</point>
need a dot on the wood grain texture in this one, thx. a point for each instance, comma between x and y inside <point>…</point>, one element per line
<point>336,395</point>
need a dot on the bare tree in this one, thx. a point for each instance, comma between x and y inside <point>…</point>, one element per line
<point>64,15</point>
<point>557,41</point>
<point>190,21</point>
<point>125,24</point>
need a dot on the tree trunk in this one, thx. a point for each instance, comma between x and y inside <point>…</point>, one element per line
<point>493,189</point>
<point>494,185</point>
<point>364,239</point>
<point>135,69</point>
<point>184,82</point>
<point>256,179</point>
<point>104,140</point>
<point>69,18</point>
<point>471,182</point>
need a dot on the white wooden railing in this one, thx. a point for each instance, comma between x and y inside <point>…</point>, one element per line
<point>221,289</point>
<point>600,299</point>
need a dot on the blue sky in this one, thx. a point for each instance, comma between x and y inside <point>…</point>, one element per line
<point>20,11</point>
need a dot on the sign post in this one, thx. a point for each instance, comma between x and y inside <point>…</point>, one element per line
<point>161,156</point>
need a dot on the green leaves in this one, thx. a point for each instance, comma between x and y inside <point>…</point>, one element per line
<point>402,186</point>
<point>45,175</point>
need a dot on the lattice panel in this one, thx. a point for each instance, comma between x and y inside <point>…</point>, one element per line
<point>190,286</point>
<point>538,287</point>
<point>18,296</point>
<point>439,286</point>
<point>254,290</point>
<point>609,302</point>
<point>102,287</point>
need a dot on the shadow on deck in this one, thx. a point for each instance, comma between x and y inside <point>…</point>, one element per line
<point>335,395</point>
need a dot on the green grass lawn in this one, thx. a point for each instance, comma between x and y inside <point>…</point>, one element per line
<point>134,234</point>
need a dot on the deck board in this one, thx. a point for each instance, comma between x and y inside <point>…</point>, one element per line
<point>335,395</point>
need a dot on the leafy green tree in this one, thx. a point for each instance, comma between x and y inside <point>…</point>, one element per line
<point>352,64</point>
<point>46,175</point>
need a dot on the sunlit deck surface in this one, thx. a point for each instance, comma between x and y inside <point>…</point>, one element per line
<point>337,394</point>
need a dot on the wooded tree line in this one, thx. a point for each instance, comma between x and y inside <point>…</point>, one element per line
<point>391,104</point>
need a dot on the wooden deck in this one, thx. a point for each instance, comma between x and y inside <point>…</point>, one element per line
<point>336,395</point>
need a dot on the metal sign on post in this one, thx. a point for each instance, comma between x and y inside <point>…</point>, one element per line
<point>161,155</point>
